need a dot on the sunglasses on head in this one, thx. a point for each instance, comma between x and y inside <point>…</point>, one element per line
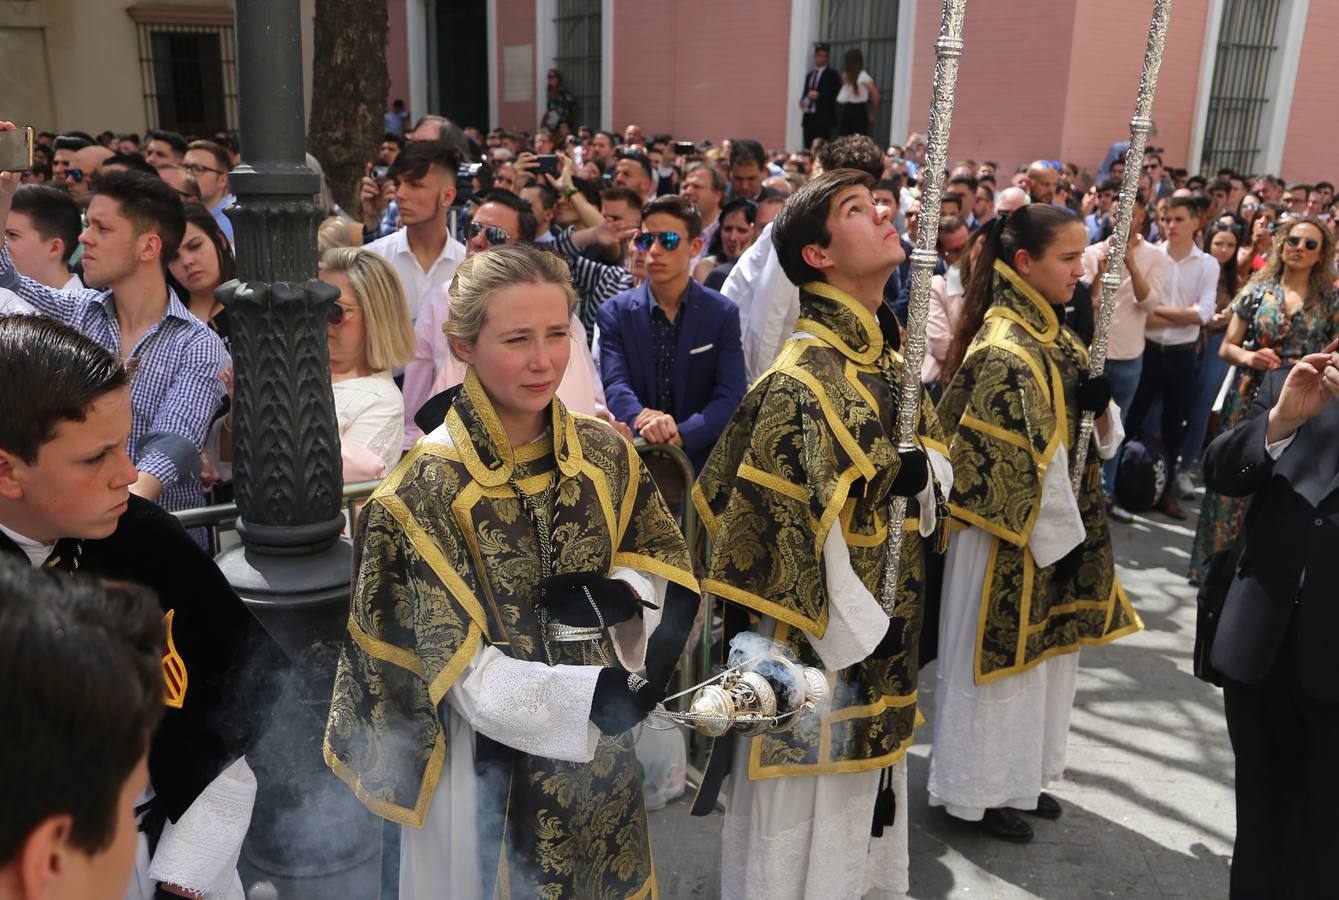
<point>336,314</point>
<point>1295,241</point>
<point>668,239</point>
<point>494,235</point>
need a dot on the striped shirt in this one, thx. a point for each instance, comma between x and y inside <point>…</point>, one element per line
<point>595,282</point>
<point>176,388</point>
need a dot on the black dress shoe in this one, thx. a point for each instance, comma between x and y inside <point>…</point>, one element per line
<point>1006,825</point>
<point>1047,808</point>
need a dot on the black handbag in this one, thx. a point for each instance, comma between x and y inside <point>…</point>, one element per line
<point>1218,577</point>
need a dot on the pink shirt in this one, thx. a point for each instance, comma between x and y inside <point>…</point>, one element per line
<point>1126,338</point>
<point>433,369</point>
<point>940,323</point>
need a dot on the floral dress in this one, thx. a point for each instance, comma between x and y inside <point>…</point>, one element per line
<point>1263,308</point>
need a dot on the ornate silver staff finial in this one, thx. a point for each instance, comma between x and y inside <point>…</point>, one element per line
<point>947,50</point>
<point>1140,125</point>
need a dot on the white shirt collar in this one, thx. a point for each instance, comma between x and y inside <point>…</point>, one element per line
<point>452,251</point>
<point>36,552</point>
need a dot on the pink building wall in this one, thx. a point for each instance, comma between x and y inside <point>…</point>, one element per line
<point>515,28</point>
<point>397,56</point>
<point>1011,94</point>
<point>1309,152</point>
<point>1060,81</point>
<point>703,68</point>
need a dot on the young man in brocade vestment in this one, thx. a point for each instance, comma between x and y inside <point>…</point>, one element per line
<point>796,497</point>
<point>518,573</point>
<point>1029,576</point>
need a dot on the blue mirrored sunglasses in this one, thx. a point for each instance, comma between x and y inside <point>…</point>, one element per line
<point>668,239</point>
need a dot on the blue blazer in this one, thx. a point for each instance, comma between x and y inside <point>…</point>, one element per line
<point>709,379</point>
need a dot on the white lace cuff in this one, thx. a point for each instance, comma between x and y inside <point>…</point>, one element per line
<point>630,637</point>
<point>200,851</point>
<point>856,621</point>
<point>941,472</point>
<point>537,709</point>
<point>1059,527</point>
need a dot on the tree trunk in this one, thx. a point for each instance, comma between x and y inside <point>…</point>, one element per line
<point>350,82</point>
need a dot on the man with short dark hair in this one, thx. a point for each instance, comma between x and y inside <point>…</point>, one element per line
<point>84,164</point>
<point>602,146</point>
<point>65,503</point>
<point>165,148</point>
<point>633,170</point>
<point>670,356</point>
<point>391,146</point>
<point>422,252</point>
<point>964,186</point>
<point>819,99</point>
<point>1295,198</point>
<point>63,149</point>
<point>42,233</point>
<point>1100,222</point>
<point>542,199</point>
<point>1189,299</point>
<point>81,665</point>
<point>1219,190</point>
<point>209,163</point>
<point>748,168</point>
<point>135,224</point>
<point>799,555</point>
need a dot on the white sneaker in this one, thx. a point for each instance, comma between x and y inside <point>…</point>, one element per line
<point>1185,488</point>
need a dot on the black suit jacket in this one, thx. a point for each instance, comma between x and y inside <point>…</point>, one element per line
<point>825,107</point>
<point>234,670</point>
<point>1290,560</point>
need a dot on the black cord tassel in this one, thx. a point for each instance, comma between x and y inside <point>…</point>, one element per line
<point>885,804</point>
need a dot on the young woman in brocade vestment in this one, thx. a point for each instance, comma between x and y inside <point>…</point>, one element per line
<point>1029,575</point>
<point>517,575</point>
<point>796,497</point>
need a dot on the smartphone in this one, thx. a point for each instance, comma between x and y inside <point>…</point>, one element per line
<point>16,150</point>
<point>548,164</point>
<point>685,148</point>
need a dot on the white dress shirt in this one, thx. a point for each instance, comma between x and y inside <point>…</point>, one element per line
<point>418,284</point>
<point>1192,283</point>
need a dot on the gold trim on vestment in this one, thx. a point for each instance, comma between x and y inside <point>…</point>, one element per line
<point>868,322</point>
<point>416,817</point>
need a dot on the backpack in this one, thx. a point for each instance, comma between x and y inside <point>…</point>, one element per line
<point>1143,474</point>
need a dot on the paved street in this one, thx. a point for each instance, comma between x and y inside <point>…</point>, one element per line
<point>1147,794</point>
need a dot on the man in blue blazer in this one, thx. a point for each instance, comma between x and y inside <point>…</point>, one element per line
<point>670,352</point>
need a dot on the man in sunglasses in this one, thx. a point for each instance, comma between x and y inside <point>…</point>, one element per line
<point>208,163</point>
<point>670,351</point>
<point>84,164</point>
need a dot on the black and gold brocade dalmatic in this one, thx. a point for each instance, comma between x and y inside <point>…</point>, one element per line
<point>811,447</point>
<point>1006,412</point>
<point>449,560</point>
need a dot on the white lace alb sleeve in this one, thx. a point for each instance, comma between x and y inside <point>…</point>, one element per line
<point>630,637</point>
<point>1109,441</point>
<point>856,621</point>
<point>537,709</point>
<point>1059,527</point>
<point>199,852</point>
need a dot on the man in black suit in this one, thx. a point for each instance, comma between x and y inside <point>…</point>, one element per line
<point>1275,640</point>
<point>819,98</point>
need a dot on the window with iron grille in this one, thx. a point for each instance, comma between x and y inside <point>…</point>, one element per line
<point>1241,92</point>
<point>188,68</point>
<point>579,58</point>
<point>870,26</point>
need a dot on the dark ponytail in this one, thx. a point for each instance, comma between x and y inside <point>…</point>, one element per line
<point>1032,228</point>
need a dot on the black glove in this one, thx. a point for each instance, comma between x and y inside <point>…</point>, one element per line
<point>890,645</point>
<point>621,700</point>
<point>1068,566</point>
<point>1094,393</point>
<point>913,473</point>
<point>565,597</point>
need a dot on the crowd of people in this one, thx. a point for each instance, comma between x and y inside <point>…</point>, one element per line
<point>513,311</point>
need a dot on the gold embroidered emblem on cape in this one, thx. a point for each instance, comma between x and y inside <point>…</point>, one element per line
<point>448,560</point>
<point>811,445</point>
<point>175,679</point>
<point>1006,411</point>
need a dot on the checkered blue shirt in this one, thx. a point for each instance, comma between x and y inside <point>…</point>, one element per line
<point>176,388</point>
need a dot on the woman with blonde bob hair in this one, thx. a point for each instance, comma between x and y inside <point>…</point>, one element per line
<point>522,598</point>
<point>369,334</point>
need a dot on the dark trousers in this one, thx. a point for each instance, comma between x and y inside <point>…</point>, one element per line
<point>1286,744</point>
<point>814,129</point>
<point>1168,373</point>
